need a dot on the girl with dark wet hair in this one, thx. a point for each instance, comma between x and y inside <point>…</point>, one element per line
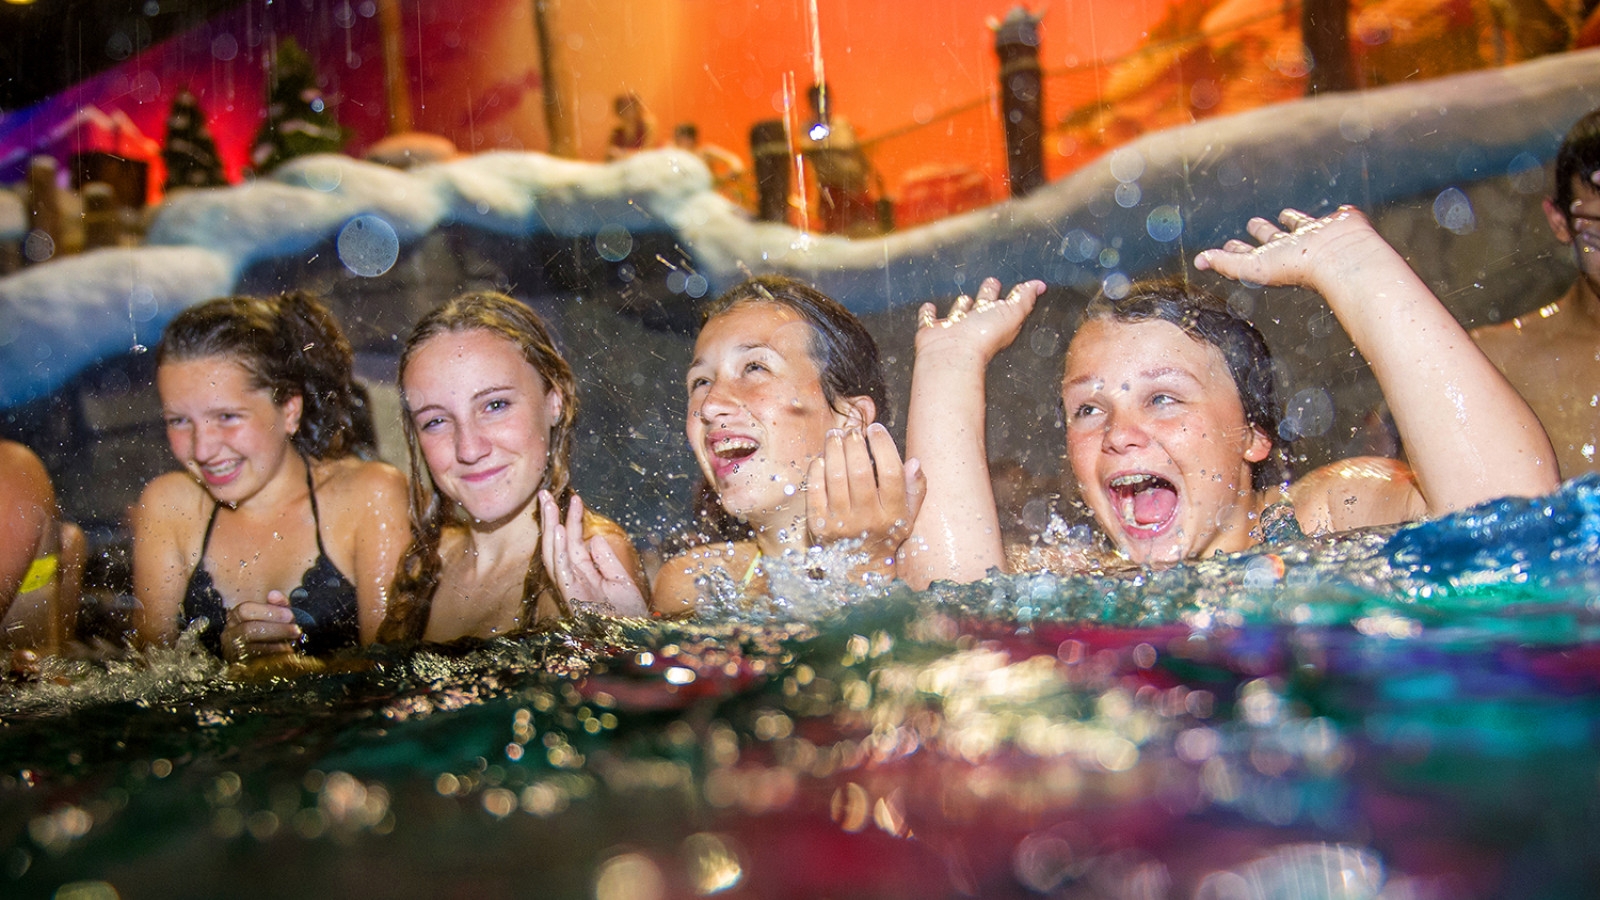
<point>489,411</point>
<point>1171,412</point>
<point>275,533</point>
<point>785,392</point>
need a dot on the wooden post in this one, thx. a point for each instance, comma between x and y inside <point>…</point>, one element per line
<point>397,87</point>
<point>1325,29</point>
<point>1016,43</point>
<point>559,118</point>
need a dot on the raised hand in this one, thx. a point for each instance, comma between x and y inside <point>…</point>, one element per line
<point>1311,252</point>
<point>977,327</point>
<point>859,490</point>
<point>257,628</point>
<point>587,573</point>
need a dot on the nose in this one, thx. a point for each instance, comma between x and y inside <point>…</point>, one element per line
<point>206,442</point>
<point>471,444</point>
<point>717,399</point>
<point>1123,431</point>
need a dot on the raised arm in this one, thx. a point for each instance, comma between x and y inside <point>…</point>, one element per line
<point>1469,436</point>
<point>956,536</point>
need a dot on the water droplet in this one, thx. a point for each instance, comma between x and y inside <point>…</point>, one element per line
<point>613,243</point>
<point>368,246</point>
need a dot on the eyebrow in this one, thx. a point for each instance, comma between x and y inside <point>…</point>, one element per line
<point>737,348</point>
<point>1146,375</point>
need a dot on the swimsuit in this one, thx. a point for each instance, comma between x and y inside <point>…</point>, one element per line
<point>40,572</point>
<point>324,604</point>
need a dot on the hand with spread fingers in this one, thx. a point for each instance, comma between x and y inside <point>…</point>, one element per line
<point>978,327</point>
<point>859,490</point>
<point>1299,249</point>
<point>589,573</point>
<point>257,628</point>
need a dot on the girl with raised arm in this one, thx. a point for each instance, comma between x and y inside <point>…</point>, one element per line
<point>1172,418</point>
<point>274,533</point>
<point>785,391</point>
<point>489,411</point>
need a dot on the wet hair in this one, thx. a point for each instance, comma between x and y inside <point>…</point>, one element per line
<point>1578,159</point>
<point>431,511</point>
<point>291,346</point>
<point>845,354</point>
<point>1208,319</point>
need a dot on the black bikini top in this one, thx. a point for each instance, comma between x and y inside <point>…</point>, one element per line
<point>324,604</point>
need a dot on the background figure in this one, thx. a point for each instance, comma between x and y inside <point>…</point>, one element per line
<point>41,558</point>
<point>841,170</point>
<point>636,128</point>
<point>1552,355</point>
<point>727,169</point>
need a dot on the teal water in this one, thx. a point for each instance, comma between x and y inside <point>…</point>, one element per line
<point>1402,713</point>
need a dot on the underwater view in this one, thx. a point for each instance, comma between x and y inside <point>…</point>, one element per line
<point>1405,710</point>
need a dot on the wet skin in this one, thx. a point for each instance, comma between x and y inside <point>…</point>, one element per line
<point>1157,440</point>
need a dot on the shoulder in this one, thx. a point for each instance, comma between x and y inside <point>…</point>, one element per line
<point>676,588</point>
<point>1357,493</point>
<point>359,486</point>
<point>173,496</point>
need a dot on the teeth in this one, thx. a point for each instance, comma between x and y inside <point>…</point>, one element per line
<point>1133,481</point>
<point>733,445</point>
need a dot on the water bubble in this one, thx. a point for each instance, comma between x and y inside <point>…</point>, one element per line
<point>677,281</point>
<point>119,46</point>
<point>1309,414</point>
<point>368,246</point>
<point>1164,223</point>
<point>696,286</point>
<point>1355,125</point>
<point>1127,165</point>
<point>1116,286</point>
<point>613,243</point>
<point>1526,173</point>
<point>1230,174</point>
<point>1128,195</point>
<point>142,305</point>
<point>38,246</point>
<point>323,175</point>
<point>1110,258</point>
<point>1079,246</point>
<point>224,47</point>
<point>1044,341</point>
<point>629,876</point>
<point>1453,211</point>
<point>712,863</point>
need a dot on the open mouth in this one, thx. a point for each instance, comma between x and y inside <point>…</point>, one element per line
<point>728,453</point>
<point>1144,503</point>
<point>219,473</point>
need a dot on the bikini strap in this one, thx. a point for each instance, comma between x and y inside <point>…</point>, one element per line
<point>210,524</point>
<point>751,571</point>
<point>316,520</point>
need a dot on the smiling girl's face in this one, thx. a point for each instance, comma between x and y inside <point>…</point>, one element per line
<point>223,428</point>
<point>483,418</point>
<point>1158,442</point>
<point>757,412</point>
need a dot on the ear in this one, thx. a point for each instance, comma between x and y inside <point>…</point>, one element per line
<point>1260,445</point>
<point>292,408</point>
<point>554,405</point>
<point>857,412</point>
<point>1558,221</point>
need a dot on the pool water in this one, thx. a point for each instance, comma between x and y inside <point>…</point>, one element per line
<point>1405,713</point>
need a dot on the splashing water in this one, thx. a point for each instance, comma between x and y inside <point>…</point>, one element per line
<point>1403,712</point>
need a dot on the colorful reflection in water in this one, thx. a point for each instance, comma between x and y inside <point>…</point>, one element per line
<point>1406,714</point>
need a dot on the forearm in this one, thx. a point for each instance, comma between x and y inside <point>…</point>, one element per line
<point>956,536</point>
<point>1470,437</point>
